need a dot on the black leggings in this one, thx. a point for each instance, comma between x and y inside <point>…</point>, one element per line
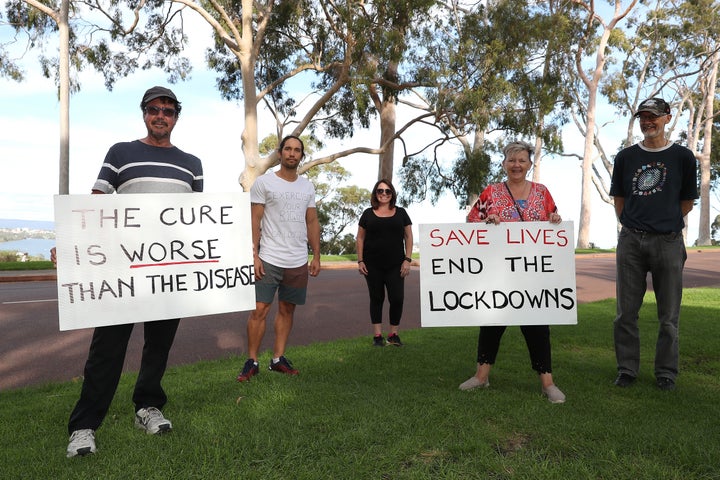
<point>537,338</point>
<point>378,279</point>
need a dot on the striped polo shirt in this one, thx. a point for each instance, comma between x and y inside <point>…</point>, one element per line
<point>135,167</point>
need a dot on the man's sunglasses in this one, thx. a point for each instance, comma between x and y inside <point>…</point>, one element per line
<point>167,112</point>
<point>386,191</point>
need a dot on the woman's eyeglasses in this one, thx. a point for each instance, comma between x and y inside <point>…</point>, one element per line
<point>167,112</point>
<point>386,191</point>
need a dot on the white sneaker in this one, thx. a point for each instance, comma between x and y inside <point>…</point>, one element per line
<point>152,421</point>
<point>82,442</point>
<point>554,394</point>
<point>473,382</point>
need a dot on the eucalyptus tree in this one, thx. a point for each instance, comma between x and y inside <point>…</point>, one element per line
<point>309,63</point>
<point>673,54</point>
<point>591,59</point>
<point>495,74</point>
<point>89,39</point>
<point>9,67</point>
<point>699,29</point>
<point>391,28</point>
<point>642,64</point>
<point>304,61</point>
<point>338,207</point>
<point>41,18</point>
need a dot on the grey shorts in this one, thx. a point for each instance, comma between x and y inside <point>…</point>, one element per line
<point>290,283</point>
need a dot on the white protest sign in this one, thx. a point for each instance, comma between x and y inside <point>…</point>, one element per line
<point>144,257</point>
<point>514,273</point>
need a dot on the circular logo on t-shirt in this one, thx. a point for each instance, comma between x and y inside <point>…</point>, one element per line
<point>649,179</point>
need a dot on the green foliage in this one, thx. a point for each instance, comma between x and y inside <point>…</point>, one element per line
<point>356,411</point>
<point>469,173</point>
<point>488,72</point>
<point>500,67</point>
<point>106,36</point>
<point>337,207</point>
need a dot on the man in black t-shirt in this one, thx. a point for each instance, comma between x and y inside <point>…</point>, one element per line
<point>654,185</point>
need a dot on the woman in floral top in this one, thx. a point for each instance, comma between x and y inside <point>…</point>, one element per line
<point>516,200</point>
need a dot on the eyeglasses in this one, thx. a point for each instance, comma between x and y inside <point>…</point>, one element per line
<point>167,112</point>
<point>386,191</point>
<point>649,117</point>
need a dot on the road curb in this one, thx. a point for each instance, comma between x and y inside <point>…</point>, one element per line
<point>28,277</point>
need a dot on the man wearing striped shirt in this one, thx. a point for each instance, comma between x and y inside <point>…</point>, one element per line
<point>149,165</point>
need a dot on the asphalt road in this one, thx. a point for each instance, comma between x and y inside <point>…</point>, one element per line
<point>33,351</point>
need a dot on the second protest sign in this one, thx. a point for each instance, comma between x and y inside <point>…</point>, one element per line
<point>514,273</point>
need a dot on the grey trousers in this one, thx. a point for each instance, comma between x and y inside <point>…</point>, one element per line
<point>663,256</point>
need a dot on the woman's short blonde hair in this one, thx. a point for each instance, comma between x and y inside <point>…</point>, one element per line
<point>518,146</point>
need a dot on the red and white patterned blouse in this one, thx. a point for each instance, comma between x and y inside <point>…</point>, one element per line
<point>496,200</point>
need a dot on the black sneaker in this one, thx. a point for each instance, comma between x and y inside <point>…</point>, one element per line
<point>378,341</point>
<point>250,369</point>
<point>624,380</point>
<point>665,383</point>
<point>394,339</point>
<point>283,366</point>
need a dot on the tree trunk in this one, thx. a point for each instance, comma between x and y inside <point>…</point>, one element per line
<point>64,167</point>
<point>537,156</point>
<point>583,240</point>
<point>704,159</point>
<point>387,130</point>
<point>249,136</point>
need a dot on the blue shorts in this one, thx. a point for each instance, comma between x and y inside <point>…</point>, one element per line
<point>290,283</point>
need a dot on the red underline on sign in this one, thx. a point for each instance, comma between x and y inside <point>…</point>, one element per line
<point>172,263</point>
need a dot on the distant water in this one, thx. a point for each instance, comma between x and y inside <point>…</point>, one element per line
<point>31,224</point>
<point>32,246</point>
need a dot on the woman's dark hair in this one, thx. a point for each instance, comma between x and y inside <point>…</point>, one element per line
<point>373,197</point>
<point>288,137</point>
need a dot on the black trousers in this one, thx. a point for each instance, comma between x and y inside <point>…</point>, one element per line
<point>378,280</point>
<point>537,338</point>
<point>104,366</point>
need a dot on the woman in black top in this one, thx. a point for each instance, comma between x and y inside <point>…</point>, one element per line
<point>384,246</point>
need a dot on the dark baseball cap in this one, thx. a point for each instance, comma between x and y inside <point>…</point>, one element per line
<point>656,106</point>
<point>157,92</point>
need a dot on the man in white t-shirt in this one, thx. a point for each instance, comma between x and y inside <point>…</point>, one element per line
<point>284,222</point>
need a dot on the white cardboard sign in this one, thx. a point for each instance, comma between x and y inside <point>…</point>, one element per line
<point>144,257</point>
<point>514,273</point>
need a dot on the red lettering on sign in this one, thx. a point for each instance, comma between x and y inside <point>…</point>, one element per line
<point>545,236</point>
<point>460,237</point>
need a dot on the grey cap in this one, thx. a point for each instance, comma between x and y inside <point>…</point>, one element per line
<point>157,92</point>
<point>656,106</point>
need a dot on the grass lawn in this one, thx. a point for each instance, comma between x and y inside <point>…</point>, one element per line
<point>20,266</point>
<point>358,412</point>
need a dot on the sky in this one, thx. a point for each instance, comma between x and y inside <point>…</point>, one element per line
<point>210,128</point>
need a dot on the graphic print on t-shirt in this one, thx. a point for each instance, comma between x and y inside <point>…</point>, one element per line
<point>649,179</point>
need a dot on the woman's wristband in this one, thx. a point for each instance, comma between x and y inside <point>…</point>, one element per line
<point>408,259</point>
<point>360,261</point>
